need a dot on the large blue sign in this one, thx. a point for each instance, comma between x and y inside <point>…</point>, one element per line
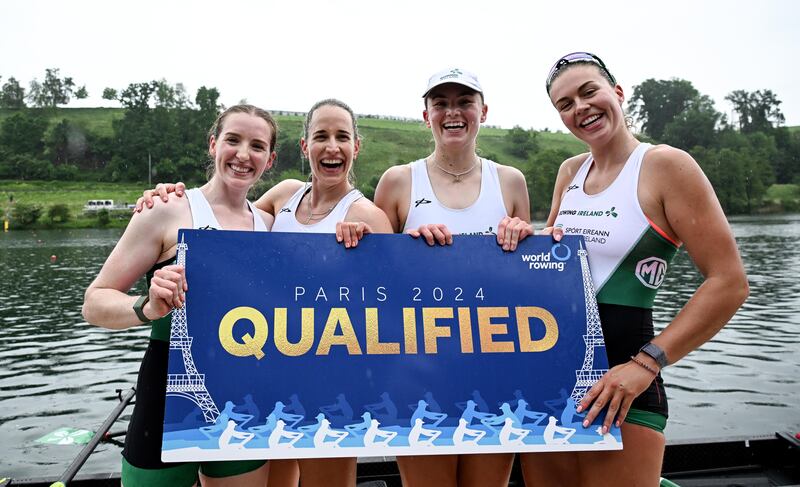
<point>291,346</point>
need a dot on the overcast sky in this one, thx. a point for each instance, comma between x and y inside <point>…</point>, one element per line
<point>377,55</point>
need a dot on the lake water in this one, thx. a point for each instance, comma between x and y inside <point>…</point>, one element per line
<point>57,371</point>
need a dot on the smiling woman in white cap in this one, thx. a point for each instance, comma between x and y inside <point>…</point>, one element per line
<point>455,191</point>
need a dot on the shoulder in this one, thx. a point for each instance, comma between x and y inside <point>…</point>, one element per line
<point>278,195</point>
<point>667,158</point>
<point>394,185</point>
<point>366,211</point>
<point>397,174</point>
<point>508,173</point>
<point>672,169</point>
<point>287,187</point>
<point>511,179</point>
<point>176,207</point>
<point>571,165</point>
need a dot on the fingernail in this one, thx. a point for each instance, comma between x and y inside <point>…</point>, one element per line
<point>586,424</point>
<point>579,409</point>
<point>605,429</point>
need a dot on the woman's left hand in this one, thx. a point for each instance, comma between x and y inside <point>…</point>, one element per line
<point>350,233</point>
<point>616,389</point>
<point>511,231</point>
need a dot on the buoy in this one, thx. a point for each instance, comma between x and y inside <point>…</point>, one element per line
<point>53,259</point>
<point>797,435</point>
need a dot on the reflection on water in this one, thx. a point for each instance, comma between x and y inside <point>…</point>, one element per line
<point>55,370</point>
<point>745,380</point>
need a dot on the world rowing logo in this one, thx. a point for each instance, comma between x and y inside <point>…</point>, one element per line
<point>651,272</point>
<point>553,260</point>
<point>285,210</point>
<point>421,201</point>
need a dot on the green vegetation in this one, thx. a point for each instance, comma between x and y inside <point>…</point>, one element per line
<point>61,203</point>
<point>53,160</point>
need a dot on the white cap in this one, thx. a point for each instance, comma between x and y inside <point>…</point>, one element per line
<point>454,75</point>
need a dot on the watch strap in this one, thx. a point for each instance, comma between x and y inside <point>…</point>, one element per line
<point>137,308</point>
<point>656,353</point>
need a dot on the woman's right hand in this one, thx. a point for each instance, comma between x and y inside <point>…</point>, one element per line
<point>556,232</point>
<point>433,233</point>
<point>167,291</point>
<point>162,190</point>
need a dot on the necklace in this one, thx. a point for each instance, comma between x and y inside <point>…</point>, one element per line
<point>323,214</point>
<point>456,175</point>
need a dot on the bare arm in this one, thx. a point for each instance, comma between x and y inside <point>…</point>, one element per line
<point>516,226</point>
<point>392,195</point>
<point>676,194</point>
<point>273,200</point>
<point>149,238</point>
<point>565,175</point>
<point>362,218</point>
<point>694,215</point>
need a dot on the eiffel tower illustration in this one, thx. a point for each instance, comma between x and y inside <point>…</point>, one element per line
<point>587,376</point>
<point>192,384</point>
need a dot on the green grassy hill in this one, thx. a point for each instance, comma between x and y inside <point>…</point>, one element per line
<point>385,143</point>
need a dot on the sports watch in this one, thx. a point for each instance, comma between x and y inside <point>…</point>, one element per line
<point>656,353</point>
<point>137,308</point>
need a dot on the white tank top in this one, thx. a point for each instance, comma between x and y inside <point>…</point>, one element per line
<point>285,220</point>
<point>203,216</point>
<point>480,218</point>
<point>628,255</point>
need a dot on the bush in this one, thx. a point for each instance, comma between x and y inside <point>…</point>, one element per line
<point>58,213</point>
<point>103,217</point>
<point>25,214</point>
<point>67,172</point>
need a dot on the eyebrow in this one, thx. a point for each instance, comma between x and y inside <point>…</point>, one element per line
<point>580,88</point>
<point>237,134</point>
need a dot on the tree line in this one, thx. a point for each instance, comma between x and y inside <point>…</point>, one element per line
<point>163,133</point>
<point>742,157</point>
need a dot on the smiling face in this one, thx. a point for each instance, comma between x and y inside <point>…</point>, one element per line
<point>330,145</point>
<point>454,114</point>
<point>242,149</point>
<point>588,105</point>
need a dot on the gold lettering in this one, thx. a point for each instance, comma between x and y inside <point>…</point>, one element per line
<point>465,330</point>
<point>374,345</point>
<point>410,330</point>
<point>487,329</point>
<point>526,343</point>
<point>306,341</point>
<point>338,316</point>
<point>430,331</point>
<point>249,344</point>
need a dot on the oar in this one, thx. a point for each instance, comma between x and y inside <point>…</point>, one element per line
<point>76,464</point>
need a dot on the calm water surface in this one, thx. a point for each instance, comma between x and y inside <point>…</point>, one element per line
<point>56,370</point>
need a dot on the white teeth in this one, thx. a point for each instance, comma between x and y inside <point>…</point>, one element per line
<point>455,125</point>
<point>240,169</point>
<point>590,120</point>
<point>331,162</point>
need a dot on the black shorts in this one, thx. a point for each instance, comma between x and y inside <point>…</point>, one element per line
<point>625,330</point>
<point>143,440</point>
